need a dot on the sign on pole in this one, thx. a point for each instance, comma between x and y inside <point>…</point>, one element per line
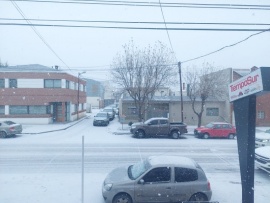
<point>245,86</point>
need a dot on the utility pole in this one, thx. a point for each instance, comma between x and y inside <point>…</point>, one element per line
<point>78,94</point>
<point>181,93</point>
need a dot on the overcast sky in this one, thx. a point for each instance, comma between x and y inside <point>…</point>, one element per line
<point>94,48</point>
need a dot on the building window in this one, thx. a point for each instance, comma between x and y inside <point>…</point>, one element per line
<point>261,115</point>
<point>18,110</point>
<point>12,83</point>
<point>37,109</point>
<point>2,83</point>
<point>212,111</point>
<point>52,83</point>
<point>2,109</point>
<point>67,84</point>
<point>132,110</point>
<point>40,110</point>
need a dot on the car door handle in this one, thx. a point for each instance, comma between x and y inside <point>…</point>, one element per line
<point>168,188</point>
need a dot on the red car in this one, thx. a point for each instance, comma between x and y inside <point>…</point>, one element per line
<point>216,129</point>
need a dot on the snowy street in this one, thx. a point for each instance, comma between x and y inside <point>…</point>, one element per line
<point>46,167</point>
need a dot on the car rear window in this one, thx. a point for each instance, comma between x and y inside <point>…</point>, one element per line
<point>185,174</point>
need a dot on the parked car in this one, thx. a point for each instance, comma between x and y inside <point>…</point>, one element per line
<point>158,126</point>
<point>216,129</point>
<point>157,179</point>
<point>110,111</point>
<point>262,158</point>
<point>262,139</point>
<point>9,128</point>
<point>102,118</point>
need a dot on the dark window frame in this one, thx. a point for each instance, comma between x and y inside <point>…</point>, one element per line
<point>13,83</point>
<point>212,111</point>
<point>54,83</point>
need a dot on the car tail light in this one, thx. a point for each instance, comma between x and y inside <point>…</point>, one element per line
<point>208,186</point>
<point>12,129</point>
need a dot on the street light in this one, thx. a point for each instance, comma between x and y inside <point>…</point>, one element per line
<point>78,94</point>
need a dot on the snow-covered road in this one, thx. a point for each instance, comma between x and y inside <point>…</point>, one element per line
<point>47,167</point>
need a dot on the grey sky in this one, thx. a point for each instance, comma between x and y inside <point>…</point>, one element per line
<point>95,48</point>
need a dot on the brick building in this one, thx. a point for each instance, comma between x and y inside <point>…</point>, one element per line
<point>37,94</point>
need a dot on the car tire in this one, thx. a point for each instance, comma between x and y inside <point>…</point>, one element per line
<point>175,134</point>
<point>3,134</point>
<point>231,136</point>
<point>140,134</point>
<point>122,198</point>
<point>198,197</point>
<point>205,136</point>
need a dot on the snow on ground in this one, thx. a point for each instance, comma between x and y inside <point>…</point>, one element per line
<point>57,187</point>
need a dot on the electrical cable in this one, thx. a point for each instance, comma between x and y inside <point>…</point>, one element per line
<point>234,44</point>
<point>168,35</point>
<point>155,4</point>
<point>36,31</point>
<point>140,28</point>
<point>134,22</point>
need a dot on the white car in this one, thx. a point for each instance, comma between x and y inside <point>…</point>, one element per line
<point>262,158</point>
<point>262,139</point>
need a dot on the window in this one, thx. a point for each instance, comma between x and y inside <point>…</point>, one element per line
<point>37,110</point>
<point>67,84</point>
<point>212,111</point>
<point>154,122</point>
<point>162,174</point>
<point>2,83</point>
<point>52,83</point>
<point>261,115</point>
<point>18,110</point>
<point>132,110</point>
<point>30,110</point>
<point>185,174</point>
<point>2,109</point>
<point>163,122</point>
<point>12,83</point>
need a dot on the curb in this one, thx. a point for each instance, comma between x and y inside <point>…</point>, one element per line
<point>86,117</point>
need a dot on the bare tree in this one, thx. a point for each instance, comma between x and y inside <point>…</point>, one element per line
<point>205,83</point>
<point>141,72</point>
<point>2,64</point>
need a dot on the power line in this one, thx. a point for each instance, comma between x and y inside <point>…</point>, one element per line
<point>36,31</point>
<point>168,35</point>
<point>134,22</point>
<point>231,45</point>
<point>155,4</point>
<point>139,28</point>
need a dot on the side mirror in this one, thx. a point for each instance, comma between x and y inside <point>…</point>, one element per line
<point>141,181</point>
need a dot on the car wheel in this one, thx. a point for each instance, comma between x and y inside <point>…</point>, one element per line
<point>122,198</point>
<point>198,197</point>
<point>205,135</point>
<point>140,134</point>
<point>174,134</point>
<point>3,134</point>
<point>231,136</point>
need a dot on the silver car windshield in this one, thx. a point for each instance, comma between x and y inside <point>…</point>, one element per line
<point>134,171</point>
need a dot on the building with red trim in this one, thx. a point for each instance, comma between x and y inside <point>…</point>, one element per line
<point>36,94</point>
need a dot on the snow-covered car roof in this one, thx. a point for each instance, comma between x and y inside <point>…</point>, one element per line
<point>263,135</point>
<point>172,160</point>
<point>263,151</point>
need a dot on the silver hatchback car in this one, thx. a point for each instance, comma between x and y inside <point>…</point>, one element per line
<point>157,179</point>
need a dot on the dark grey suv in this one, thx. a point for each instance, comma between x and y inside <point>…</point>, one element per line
<point>157,179</point>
